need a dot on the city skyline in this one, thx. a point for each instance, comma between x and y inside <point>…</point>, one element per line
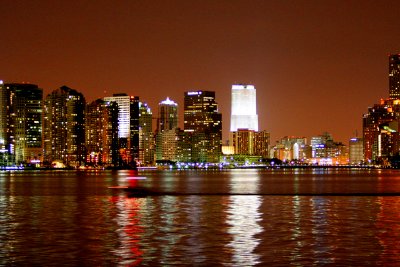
<point>310,61</point>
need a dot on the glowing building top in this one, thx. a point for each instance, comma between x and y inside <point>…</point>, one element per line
<point>167,115</point>
<point>244,108</point>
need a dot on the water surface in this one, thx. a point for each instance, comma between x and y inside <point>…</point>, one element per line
<point>229,218</point>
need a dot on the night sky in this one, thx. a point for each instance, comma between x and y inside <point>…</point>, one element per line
<point>317,65</point>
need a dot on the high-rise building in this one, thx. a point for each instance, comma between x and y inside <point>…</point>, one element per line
<point>244,108</point>
<point>167,115</point>
<point>101,128</point>
<point>21,122</point>
<point>394,76</point>
<point>202,119</point>
<point>123,101</point>
<point>63,126</point>
<point>146,135</point>
<point>128,133</point>
<point>167,123</point>
<point>110,134</point>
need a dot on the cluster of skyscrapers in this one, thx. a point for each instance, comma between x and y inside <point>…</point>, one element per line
<point>61,130</point>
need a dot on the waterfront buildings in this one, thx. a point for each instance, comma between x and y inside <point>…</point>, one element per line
<point>203,120</point>
<point>244,108</point>
<point>325,151</point>
<point>290,148</point>
<point>20,123</point>
<point>63,127</point>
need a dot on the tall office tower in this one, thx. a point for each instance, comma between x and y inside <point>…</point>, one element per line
<point>133,143</point>
<point>394,76</point>
<point>110,135</point>
<point>244,108</point>
<point>167,115</point>
<point>146,136</point>
<point>21,121</point>
<point>128,132</point>
<point>123,101</point>
<point>167,122</point>
<point>63,126</point>
<point>94,131</point>
<point>101,129</point>
<point>201,117</point>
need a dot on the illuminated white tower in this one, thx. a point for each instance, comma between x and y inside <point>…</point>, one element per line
<point>244,108</point>
<point>123,101</point>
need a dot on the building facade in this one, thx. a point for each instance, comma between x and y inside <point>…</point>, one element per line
<point>101,130</point>
<point>356,150</point>
<point>128,132</point>
<point>21,122</point>
<point>202,119</point>
<point>167,123</point>
<point>63,127</point>
<point>167,115</point>
<point>146,135</point>
<point>244,108</point>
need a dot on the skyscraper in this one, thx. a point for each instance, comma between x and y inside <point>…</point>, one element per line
<point>146,135</point>
<point>202,119</point>
<point>167,115</point>
<point>128,133</point>
<point>63,126</point>
<point>21,121</point>
<point>123,101</point>
<point>394,76</point>
<point>101,129</point>
<point>244,108</point>
<point>167,122</point>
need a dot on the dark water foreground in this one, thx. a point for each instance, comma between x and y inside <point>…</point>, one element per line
<point>202,218</point>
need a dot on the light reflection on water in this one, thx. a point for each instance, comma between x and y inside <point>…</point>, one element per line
<point>74,219</point>
<point>243,218</point>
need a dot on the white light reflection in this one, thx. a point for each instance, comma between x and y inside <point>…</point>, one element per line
<point>243,218</point>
